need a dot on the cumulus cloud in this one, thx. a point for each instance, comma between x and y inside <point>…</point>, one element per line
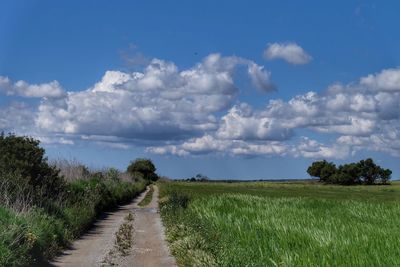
<point>17,117</point>
<point>260,78</point>
<point>21,88</point>
<point>290,52</point>
<point>387,140</point>
<point>309,148</point>
<point>386,80</point>
<point>242,123</point>
<point>360,116</point>
<point>209,144</point>
<point>198,111</point>
<point>160,103</point>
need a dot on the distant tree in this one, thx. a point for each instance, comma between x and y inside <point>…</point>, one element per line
<point>385,175</point>
<point>201,178</point>
<point>322,169</point>
<point>347,174</point>
<point>327,171</point>
<point>371,173</point>
<point>362,172</point>
<point>143,167</point>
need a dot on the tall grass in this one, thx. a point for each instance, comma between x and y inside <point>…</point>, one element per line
<point>253,229</point>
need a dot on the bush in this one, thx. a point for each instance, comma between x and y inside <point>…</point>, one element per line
<point>22,156</point>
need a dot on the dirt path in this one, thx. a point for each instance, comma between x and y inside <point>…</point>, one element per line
<point>149,247</point>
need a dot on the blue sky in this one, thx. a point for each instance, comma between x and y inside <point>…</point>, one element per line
<point>230,89</point>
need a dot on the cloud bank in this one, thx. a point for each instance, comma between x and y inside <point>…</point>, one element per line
<point>197,111</point>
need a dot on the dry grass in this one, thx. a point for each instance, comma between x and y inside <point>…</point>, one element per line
<point>15,195</point>
<point>72,169</point>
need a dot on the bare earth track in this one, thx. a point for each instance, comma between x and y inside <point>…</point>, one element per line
<point>149,248</point>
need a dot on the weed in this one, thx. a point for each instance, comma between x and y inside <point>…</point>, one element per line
<point>124,239</point>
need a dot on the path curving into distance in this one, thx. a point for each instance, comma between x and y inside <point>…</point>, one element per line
<point>149,246</point>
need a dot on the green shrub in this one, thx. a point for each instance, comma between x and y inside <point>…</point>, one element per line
<point>48,233</point>
<point>22,156</point>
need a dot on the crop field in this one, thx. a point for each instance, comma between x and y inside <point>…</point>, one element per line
<point>282,224</point>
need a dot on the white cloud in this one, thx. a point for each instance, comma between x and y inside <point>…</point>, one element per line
<point>386,80</point>
<point>260,78</point>
<point>209,144</point>
<point>387,140</point>
<point>17,117</point>
<point>362,117</point>
<point>290,52</point>
<point>309,148</point>
<point>242,123</point>
<point>21,88</point>
<point>160,103</point>
<point>198,111</point>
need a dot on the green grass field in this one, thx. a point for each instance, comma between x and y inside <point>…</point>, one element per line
<point>282,224</point>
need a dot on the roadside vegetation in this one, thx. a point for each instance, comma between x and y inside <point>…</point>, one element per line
<point>147,198</point>
<point>281,224</point>
<point>44,206</point>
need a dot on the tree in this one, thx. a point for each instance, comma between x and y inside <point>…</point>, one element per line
<point>201,178</point>
<point>362,172</point>
<point>322,169</point>
<point>347,174</point>
<point>369,171</point>
<point>385,175</point>
<point>143,167</point>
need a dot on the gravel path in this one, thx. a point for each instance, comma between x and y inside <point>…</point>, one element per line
<point>150,248</point>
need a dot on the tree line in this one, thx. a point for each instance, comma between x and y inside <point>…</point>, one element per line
<point>362,172</point>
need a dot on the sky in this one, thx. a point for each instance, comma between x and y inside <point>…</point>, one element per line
<point>228,89</point>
